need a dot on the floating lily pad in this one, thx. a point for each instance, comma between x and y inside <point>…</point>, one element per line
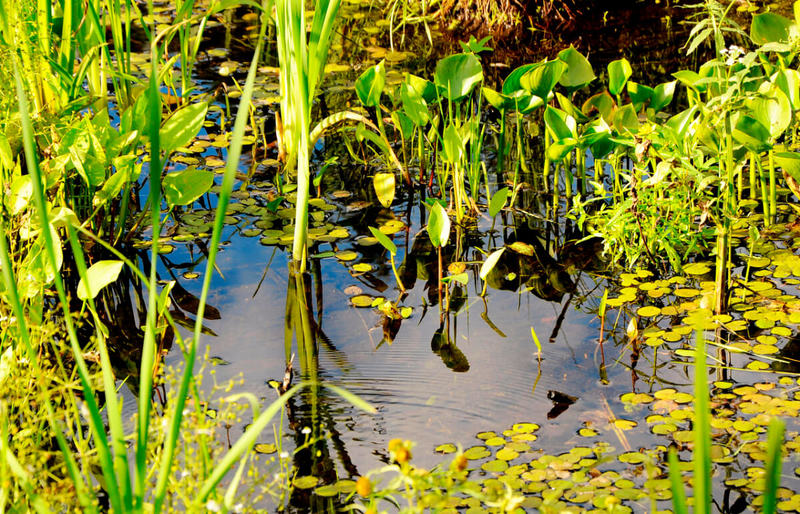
<point>362,300</point>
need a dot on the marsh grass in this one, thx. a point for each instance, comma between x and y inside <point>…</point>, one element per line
<point>123,474</point>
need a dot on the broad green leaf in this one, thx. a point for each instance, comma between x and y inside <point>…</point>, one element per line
<point>369,86</point>
<point>461,278</point>
<point>790,162</point>
<point>111,188</point>
<point>512,83</point>
<point>640,94</point>
<point>490,262</point>
<point>789,82</point>
<point>770,28</point>
<point>497,100</point>
<point>541,80</point>
<point>570,108</point>
<point>186,186</point>
<point>498,201</point>
<point>559,149</point>
<point>384,184</point>
<point>560,124</point>
<point>403,122</point>
<point>772,109</point>
<point>752,134</point>
<point>425,88</point>
<point>452,144</point>
<point>578,72</point>
<point>662,95</point>
<point>619,72</point>
<point>525,103</point>
<point>414,105</point>
<point>626,119</point>
<point>384,240</point>
<point>457,75</point>
<point>438,225</point>
<point>680,122</point>
<point>98,276</point>
<point>182,126</point>
<point>602,102</point>
<point>690,79</point>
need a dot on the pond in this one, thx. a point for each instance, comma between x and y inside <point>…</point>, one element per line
<point>533,305</point>
<point>436,379</point>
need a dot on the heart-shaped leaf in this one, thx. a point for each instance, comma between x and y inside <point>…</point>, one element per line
<point>438,225</point>
<point>98,276</point>
<point>619,72</point>
<point>369,86</point>
<point>186,186</point>
<point>457,75</point>
<point>384,184</point>
<point>182,126</point>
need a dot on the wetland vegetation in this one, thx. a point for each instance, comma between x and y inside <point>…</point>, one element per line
<point>354,256</point>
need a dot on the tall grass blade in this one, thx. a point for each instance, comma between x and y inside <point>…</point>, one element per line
<point>676,484</point>
<point>148,349</point>
<point>702,431</point>
<point>773,479</point>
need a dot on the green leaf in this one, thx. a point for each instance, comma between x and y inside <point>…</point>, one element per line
<point>452,144</point>
<point>680,122</point>
<point>403,122</point>
<point>619,72</point>
<point>425,88</point>
<point>182,126</point>
<point>662,96</point>
<point>498,201</point>
<point>186,186</point>
<point>559,149</point>
<point>626,119</point>
<point>490,262</point>
<point>772,109</point>
<point>384,184</point>
<point>369,86</point>
<point>752,134</point>
<point>602,102</point>
<point>414,105</point>
<point>461,278</point>
<point>525,103</point>
<point>690,79</point>
<point>560,124</point>
<point>98,276</point>
<point>512,83</point>
<point>384,240</point>
<point>438,225</point>
<point>578,71</point>
<point>19,195</point>
<point>115,183</point>
<point>457,75</point>
<point>497,100</point>
<point>640,94</point>
<point>789,82</point>
<point>770,28</point>
<point>541,80</point>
